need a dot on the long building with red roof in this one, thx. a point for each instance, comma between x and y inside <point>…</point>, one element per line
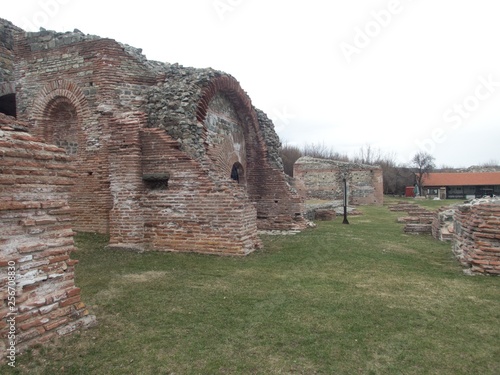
<point>462,185</point>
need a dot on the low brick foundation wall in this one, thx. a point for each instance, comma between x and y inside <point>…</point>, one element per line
<point>419,219</point>
<point>476,242</point>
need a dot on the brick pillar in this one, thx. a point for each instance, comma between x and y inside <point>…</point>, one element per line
<point>126,185</point>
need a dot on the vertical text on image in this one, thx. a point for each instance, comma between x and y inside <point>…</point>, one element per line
<point>11,315</point>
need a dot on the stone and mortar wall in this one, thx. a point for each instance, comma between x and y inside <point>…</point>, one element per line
<point>443,226</point>
<point>226,137</point>
<point>7,30</point>
<point>476,242</point>
<point>323,179</point>
<point>36,234</point>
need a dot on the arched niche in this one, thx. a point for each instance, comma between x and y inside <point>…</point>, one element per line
<point>61,125</point>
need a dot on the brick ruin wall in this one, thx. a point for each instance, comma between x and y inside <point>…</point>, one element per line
<point>69,86</point>
<point>215,123</point>
<point>323,179</point>
<point>165,201</point>
<point>476,241</point>
<point>36,239</point>
<point>74,90</point>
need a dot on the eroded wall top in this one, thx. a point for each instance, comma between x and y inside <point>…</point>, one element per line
<point>7,30</point>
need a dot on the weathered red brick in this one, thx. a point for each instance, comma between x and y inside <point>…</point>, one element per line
<point>70,301</point>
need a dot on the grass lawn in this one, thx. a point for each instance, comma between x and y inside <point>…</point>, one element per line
<point>362,298</point>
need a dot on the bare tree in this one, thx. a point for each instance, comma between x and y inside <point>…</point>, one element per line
<point>423,164</point>
<point>320,150</point>
<point>369,155</point>
<point>491,163</point>
<point>289,155</point>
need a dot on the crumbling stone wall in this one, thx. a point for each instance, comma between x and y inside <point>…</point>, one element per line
<point>36,238</point>
<point>272,140</point>
<point>7,60</point>
<point>323,179</point>
<point>443,225</point>
<point>476,242</point>
<point>7,30</point>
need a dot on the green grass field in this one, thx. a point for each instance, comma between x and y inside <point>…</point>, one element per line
<point>362,298</point>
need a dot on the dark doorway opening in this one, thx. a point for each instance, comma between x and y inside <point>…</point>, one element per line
<point>237,173</point>
<point>8,105</point>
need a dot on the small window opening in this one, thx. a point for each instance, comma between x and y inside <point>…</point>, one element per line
<point>156,181</point>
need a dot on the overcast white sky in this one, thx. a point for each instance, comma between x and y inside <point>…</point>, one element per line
<point>398,75</point>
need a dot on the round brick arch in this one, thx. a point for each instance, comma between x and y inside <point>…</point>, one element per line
<point>242,103</point>
<point>59,89</point>
<point>60,95</point>
<point>256,151</point>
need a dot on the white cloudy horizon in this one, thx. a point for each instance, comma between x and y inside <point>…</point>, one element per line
<point>399,75</point>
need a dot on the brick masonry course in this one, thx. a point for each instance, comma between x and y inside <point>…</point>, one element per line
<point>36,234</point>
<point>476,241</point>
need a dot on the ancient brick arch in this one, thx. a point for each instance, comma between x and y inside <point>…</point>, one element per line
<point>231,88</point>
<point>59,89</point>
<point>59,112</point>
<point>61,124</point>
<point>244,145</point>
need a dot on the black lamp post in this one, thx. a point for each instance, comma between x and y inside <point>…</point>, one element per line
<point>345,202</point>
